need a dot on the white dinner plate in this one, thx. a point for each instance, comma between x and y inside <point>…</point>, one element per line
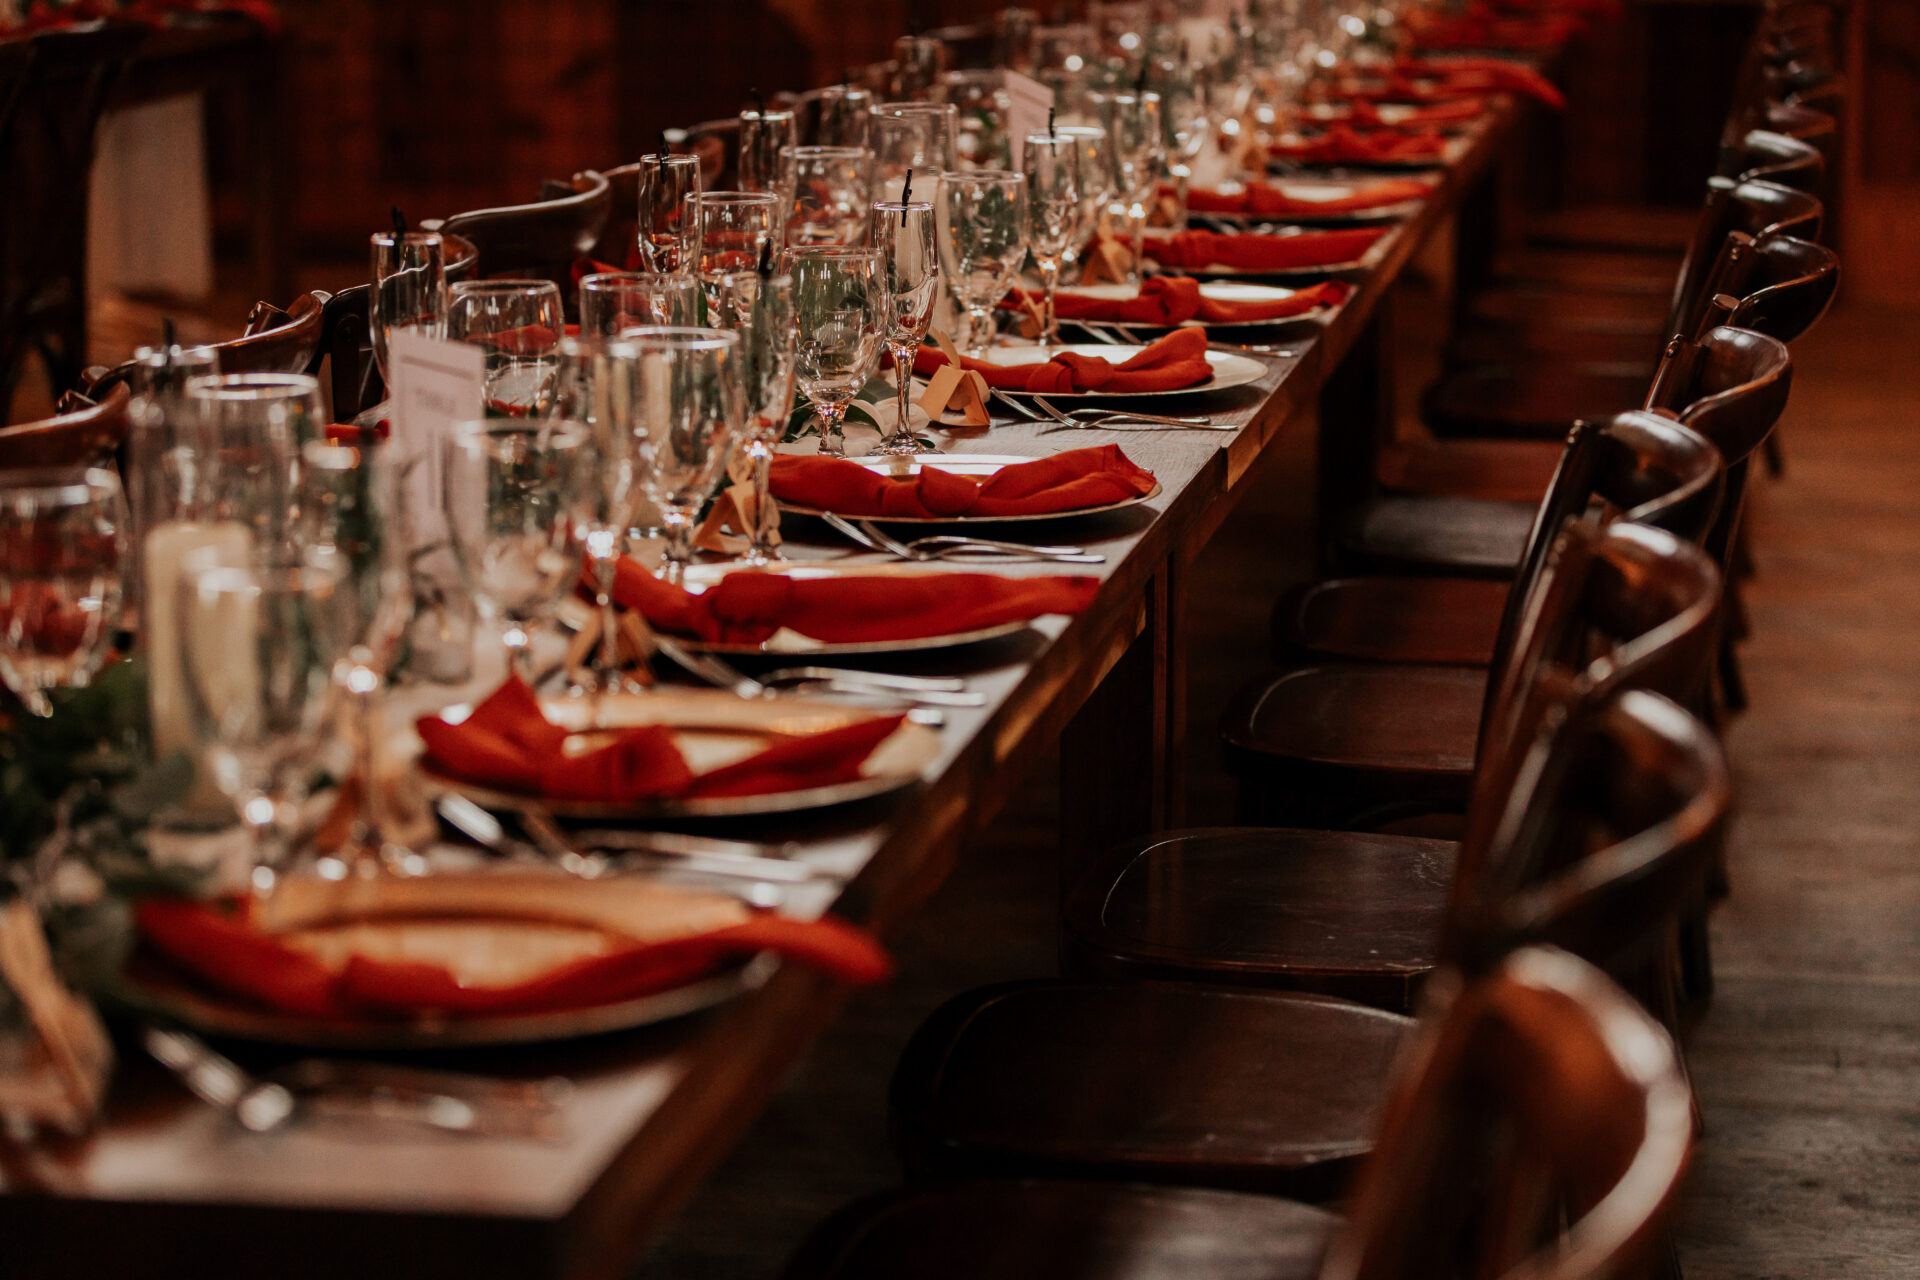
<point>1218,291</point>
<point>1322,190</point>
<point>1229,370</point>
<point>979,465</point>
<point>1364,262</point>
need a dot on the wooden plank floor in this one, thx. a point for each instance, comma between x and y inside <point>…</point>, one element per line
<point>1808,1062</point>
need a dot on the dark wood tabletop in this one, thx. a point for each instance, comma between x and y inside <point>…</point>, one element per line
<point>167,1186</point>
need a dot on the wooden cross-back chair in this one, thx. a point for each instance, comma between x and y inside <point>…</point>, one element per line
<point>274,341</point>
<point>717,143</point>
<point>81,433</point>
<point>539,240</point>
<point>1539,1130</point>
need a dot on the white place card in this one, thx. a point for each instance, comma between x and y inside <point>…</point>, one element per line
<point>1032,102</point>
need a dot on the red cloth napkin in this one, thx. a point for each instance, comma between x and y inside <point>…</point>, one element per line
<point>1457,76</point>
<point>1263,200</point>
<point>217,943</point>
<point>1177,360</point>
<point>1426,115</point>
<point>1195,249</point>
<point>584,267</point>
<point>506,742</point>
<point>746,608</point>
<point>1174,300</point>
<point>347,433</point>
<point>1092,477</point>
<point>1343,144</point>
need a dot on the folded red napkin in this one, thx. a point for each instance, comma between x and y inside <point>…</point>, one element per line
<point>747,607</point>
<point>506,742</point>
<point>1263,200</point>
<point>1177,360</point>
<point>1426,115</point>
<point>1457,76</point>
<point>528,339</point>
<point>1174,300</point>
<point>347,433</point>
<point>1191,250</point>
<point>217,943</point>
<point>1343,144</point>
<point>584,267</point>
<point>1097,476</point>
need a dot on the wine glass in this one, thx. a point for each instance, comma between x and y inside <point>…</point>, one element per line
<point>903,234</point>
<point>913,142</point>
<point>840,307</point>
<point>1052,165</point>
<point>1139,149</point>
<point>611,301</point>
<point>518,324</point>
<point>760,310</point>
<point>1093,163</point>
<point>841,115</point>
<point>409,289</point>
<point>1186,94</point>
<point>258,640</point>
<point>599,391</point>
<point>253,427</point>
<point>982,102</point>
<point>983,240</point>
<point>63,558</point>
<point>918,62</point>
<point>736,227</point>
<point>669,234</point>
<point>691,399</point>
<point>833,191</point>
<point>766,138</point>
<point>508,489</point>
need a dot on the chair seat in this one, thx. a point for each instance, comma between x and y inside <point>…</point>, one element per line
<point>1346,913</point>
<point>1035,1230</point>
<point>1497,470</point>
<point>1408,620</point>
<point>1149,1081</point>
<point>1530,401</point>
<point>1459,535</point>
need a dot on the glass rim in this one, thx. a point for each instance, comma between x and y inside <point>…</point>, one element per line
<point>904,206</point>
<point>670,158</point>
<point>386,240</point>
<point>998,177</point>
<point>765,113</point>
<point>906,109</point>
<point>832,251</point>
<point>1083,130</point>
<point>828,152</point>
<point>241,387</point>
<point>86,483</point>
<point>604,278</point>
<point>735,197</point>
<point>502,284</point>
<point>676,337</point>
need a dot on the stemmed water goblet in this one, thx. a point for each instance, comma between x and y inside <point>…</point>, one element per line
<point>982,220</point>
<point>1093,162</point>
<point>767,139</point>
<point>409,290</point>
<point>63,561</point>
<point>736,227</point>
<point>912,141</point>
<point>1052,165</point>
<point>611,301</point>
<point>910,263</point>
<point>518,324</point>
<point>509,492</point>
<point>840,309</point>
<point>832,193</point>
<point>760,310</point>
<point>669,231</point>
<point>691,399</point>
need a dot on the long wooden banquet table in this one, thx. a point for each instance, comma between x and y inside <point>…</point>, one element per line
<point>169,1186</point>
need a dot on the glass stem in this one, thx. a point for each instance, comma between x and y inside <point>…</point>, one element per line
<point>677,525</point>
<point>903,374</point>
<point>833,442</point>
<point>1181,177</point>
<point>516,642</point>
<point>1137,227</point>
<point>607,677</point>
<point>766,516</point>
<point>979,329</point>
<point>1049,322</point>
<point>367,842</point>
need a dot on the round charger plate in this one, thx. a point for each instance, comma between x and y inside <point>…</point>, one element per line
<point>985,464</point>
<point>1320,271</point>
<point>1327,189</point>
<point>152,987</point>
<point>714,728</point>
<point>1218,291</point>
<point>792,644</point>
<point>1229,370</point>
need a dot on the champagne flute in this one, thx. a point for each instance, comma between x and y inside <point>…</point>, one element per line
<point>840,307</point>
<point>409,290</point>
<point>735,229</point>
<point>689,402</point>
<point>611,301</point>
<point>518,324</point>
<point>833,192</point>
<point>1093,162</point>
<point>63,560</point>
<point>258,640</point>
<point>904,235</point>
<point>1052,165</point>
<point>508,492</point>
<point>760,310</point>
<point>598,390</point>
<point>1139,149</point>
<point>983,240</point>
<point>912,140</point>
<point>669,233</point>
<point>766,138</point>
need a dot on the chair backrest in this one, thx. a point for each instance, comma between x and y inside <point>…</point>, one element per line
<point>1542,1095</point>
<point>1766,156</point>
<point>1756,209</point>
<point>619,238</point>
<point>1779,286</point>
<point>1806,124</point>
<point>540,239</point>
<point>346,335</point>
<point>85,435</point>
<point>276,341</point>
<point>717,143</point>
<point>1617,813</point>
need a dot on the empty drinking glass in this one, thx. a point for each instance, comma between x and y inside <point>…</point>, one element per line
<point>983,240</point>
<point>409,289</point>
<point>912,139</point>
<point>760,310</point>
<point>1186,91</point>
<point>735,229</point>
<point>832,195</point>
<point>839,115</point>
<point>690,400</point>
<point>509,494</point>
<point>1093,158</point>
<point>253,427</point>
<point>918,62</point>
<point>982,102</point>
<point>611,301</point>
<point>904,236</point>
<point>63,557</point>
<point>1052,164</point>
<point>1139,149</point>
<point>669,232</point>
<point>840,306</point>
<point>519,324</point>
<point>766,138</point>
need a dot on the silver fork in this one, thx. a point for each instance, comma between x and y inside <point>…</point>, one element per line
<point>954,545</point>
<point>725,675</point>
<point>1102,417</point>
